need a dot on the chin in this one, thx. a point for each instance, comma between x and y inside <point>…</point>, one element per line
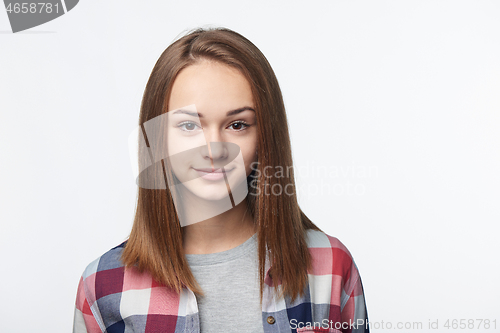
<point>213,195</point>
<point>210,192</point>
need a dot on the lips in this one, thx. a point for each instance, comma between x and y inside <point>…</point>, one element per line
<point>211,174</point>
<point>208,170</point>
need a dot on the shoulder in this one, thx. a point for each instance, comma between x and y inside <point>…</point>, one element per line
<point>114,292</point>
<point>106,263</point>
<point>100,283</point>
<point>104,275</point>
<point>319,240</point>
<point>330,256</point>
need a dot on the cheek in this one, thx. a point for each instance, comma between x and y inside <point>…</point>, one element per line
<point>180,155</point>
<point>248,151</point>
<point>171,148</point>
<point>177,144</point>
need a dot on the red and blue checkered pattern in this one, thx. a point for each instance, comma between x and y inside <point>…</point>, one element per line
<point>115,299</point>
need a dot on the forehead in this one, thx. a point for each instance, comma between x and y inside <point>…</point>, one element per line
<point>211,86</point>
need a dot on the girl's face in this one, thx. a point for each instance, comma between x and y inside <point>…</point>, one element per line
<point>211,125</point>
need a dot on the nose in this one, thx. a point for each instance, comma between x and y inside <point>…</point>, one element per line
<point>215,149</point>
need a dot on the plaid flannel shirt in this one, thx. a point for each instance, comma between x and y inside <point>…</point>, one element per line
<point>112,298</point>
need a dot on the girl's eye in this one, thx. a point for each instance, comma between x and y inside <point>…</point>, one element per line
<point>239,126</point>
<point>188,126</point>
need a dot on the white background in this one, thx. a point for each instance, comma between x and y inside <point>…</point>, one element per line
<point>400,97</point>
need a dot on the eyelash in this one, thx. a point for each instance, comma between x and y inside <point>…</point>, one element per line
<point>245,124</point>
<point>186,123</point>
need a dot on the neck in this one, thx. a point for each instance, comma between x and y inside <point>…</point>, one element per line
<point>219,233</point>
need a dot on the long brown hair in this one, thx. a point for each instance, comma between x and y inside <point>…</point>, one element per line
<point>155,242</point>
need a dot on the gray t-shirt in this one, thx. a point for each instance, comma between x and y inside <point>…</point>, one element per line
<point>230,282</point>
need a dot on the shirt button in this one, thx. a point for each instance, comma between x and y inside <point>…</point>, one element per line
<point>270,320</point>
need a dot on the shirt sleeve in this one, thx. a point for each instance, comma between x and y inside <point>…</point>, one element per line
<point>354,315</point>
<point>84,320</point>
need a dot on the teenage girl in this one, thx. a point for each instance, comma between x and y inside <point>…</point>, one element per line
<point>206,254</point>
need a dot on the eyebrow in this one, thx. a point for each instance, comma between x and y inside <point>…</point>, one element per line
<point>228,113</point>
